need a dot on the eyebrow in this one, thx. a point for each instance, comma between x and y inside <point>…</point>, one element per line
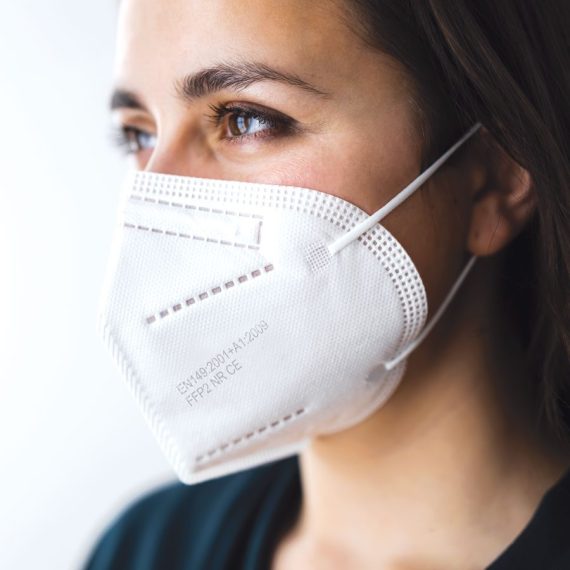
<point>123,99</point>
<point>209,80</point>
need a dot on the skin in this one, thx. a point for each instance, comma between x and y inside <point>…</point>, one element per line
<point>451,469</point>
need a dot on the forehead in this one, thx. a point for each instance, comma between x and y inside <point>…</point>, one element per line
<point>198,28</point>
<point>162,39</point>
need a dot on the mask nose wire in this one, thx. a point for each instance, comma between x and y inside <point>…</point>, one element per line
<point>335,246</point>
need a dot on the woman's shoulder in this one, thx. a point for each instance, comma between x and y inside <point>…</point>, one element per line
<point>174,525</point>
<point>158,521</point>
<point>545,540</point>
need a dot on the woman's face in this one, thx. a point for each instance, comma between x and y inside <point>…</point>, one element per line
<point>283,91</point>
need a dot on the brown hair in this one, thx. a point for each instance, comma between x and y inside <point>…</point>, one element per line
<point>506,64</point>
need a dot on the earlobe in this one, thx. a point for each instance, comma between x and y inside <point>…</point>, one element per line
<point>503,206</point>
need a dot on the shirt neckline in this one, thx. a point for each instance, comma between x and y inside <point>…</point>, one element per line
<point>544,539</point>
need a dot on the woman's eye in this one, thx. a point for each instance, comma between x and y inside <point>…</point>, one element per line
<point>132,140</point>
<point>238,123</point>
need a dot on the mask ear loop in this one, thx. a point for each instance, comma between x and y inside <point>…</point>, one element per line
<point>369,222</point>
<point>337,245</point>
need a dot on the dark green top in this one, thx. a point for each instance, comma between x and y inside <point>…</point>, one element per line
<point>234,523</point>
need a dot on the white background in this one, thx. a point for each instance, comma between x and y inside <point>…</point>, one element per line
<point>74,448</point>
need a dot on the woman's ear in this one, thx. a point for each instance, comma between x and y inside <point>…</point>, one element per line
<point>504,203</point>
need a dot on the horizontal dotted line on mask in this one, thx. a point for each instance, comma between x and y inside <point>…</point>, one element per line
<point>188,236</point>
<point>207,294</point>
<point>198,208</point>
<point>226,446</point>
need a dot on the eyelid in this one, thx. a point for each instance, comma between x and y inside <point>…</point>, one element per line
<point>275,120</point>
<point>254,110</point>
<point>256,107</point>
<point>133,117</point>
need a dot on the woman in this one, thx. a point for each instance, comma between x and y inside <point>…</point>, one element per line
<point>465,465</point>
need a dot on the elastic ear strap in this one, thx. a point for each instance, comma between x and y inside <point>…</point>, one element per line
<point>366,224</point>
<point>426,330</point>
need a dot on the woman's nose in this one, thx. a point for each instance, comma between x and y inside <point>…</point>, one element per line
<point>168,161</point>
<point>180,157</point>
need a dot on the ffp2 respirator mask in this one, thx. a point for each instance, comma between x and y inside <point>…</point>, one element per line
<point>250,318</point>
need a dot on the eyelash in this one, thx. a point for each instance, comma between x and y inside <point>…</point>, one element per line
<point>277,123</point>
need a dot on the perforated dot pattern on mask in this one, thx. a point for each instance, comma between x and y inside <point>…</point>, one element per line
<point>202,296</point>
<point>188,236</point>
<point>406,280</point>
<point>193,207</point>
<point>216,451</point>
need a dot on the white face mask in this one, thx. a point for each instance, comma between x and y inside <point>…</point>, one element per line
<point>249,318</point>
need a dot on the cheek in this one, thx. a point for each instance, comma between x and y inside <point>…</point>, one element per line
<point>365,174</point>
<point>432,226</point>
<point>368,163</point>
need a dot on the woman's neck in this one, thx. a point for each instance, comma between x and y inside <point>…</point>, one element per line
<point>445,475</point>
